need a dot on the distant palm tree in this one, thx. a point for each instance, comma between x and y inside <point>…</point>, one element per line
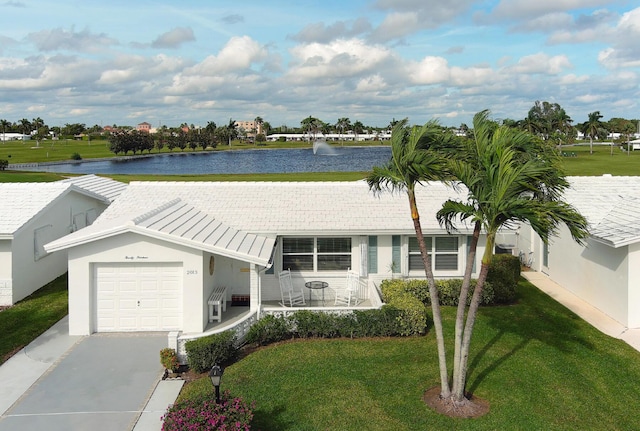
<point>343,123</point>
<point>591,128</point>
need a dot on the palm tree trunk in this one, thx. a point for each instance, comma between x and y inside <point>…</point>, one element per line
<point>462,306</point>
<point>461,377</point>
<point>445,389</point>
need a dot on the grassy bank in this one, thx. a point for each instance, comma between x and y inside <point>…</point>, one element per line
<point>539,365</point>
<point>30,317</point>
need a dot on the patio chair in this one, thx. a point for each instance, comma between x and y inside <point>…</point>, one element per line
<point>290,295</point>
<point>348,295</point>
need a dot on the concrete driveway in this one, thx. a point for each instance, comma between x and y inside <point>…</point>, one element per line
<point>102,383</point>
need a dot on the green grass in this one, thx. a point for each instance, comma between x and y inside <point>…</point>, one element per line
<point>539,365</point>
<point>601,161</point>
<point>30,317</point>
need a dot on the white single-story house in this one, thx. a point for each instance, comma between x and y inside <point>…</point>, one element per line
<point>606,272</point>
<point>32,214</point>
<point>155,257</point>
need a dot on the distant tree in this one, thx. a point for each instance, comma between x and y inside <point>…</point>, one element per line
<point>591,127</point>
<point>25,126</point>
<point>358,128</point>
<point>311,125</point>
<point>343,124</point>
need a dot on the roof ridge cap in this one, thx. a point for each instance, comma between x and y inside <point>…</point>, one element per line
<point>157,210</point>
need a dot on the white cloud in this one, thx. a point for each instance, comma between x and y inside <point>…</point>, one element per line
<point>339,59</point>
<point>174,38</point>
<point>542,63</point>
<point>60,39</point>
<point>431,70</point>
<point>624,51</point>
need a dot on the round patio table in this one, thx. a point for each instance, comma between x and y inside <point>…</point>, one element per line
<point>316,284</point>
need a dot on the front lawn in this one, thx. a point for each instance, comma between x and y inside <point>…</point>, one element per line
<point>30,317</point>
<point>539,365</point>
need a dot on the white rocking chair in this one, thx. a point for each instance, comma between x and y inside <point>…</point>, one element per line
<point>290,296</point>
<point>348,295</point>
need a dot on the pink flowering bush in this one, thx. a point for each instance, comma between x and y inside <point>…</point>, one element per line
<point>232,414</point>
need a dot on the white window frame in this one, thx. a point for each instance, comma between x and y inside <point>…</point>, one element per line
<point>433,252</point>
<point>315,254</point>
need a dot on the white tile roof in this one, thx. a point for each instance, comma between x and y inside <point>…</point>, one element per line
<point>106,187</point>
<point>610,204</point>
<point>20,202</point>
<point>180,223</point>
<point>288,208</point>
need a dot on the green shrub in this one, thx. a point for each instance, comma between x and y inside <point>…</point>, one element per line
<point>76,156</point>
<point>4,164</point>
<point>411,316</point>
<point>504,274</point>
<point>383,322</point>
<point>169,359</point>
<point>269,329</point>
<point>449,292</point>
<point>203,353</point>
<point>309,324</point>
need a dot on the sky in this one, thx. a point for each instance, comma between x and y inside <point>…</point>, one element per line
<point>169,62</point>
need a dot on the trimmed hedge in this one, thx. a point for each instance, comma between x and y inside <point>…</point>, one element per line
<point>269,329</point>
<point>203,353</point>
<point>448,290</point>
<point>407,316</point>
<point>504,274</point>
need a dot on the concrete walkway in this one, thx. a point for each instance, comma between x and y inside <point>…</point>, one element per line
<point>586,311</point>
<point>102,382</point>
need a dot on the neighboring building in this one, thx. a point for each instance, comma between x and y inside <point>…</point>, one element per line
<point>33,214</point>
<point>605,273</point>
<point>154,257</point>
<point>347,136</point>
<point>251,128</point>
<point>144,127</point>
<point>14,137</point>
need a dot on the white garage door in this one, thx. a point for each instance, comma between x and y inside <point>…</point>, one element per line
<point>138,297</point>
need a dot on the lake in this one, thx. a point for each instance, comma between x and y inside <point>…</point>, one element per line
<point>337,159</point>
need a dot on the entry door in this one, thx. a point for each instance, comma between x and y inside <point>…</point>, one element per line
<point>138,297</point>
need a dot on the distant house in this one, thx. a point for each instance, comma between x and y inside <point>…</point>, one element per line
<point>605,273</point>
<point>14,137</point>
<point>143,127</point>
<point>33,214</point>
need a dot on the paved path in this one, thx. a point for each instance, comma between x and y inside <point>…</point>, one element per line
<point>101,382</point>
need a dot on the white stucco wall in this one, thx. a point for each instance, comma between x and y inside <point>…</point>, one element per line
<point>127,248</point>
<point>597,273</point>
<point>634,286</point>
<point>28,273</point>
<point>6,295</point>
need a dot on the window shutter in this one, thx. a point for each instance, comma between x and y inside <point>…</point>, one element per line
<point>373,255</point>
<point>396,253</point>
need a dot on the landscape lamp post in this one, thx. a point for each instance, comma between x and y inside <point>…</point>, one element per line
<point>216,375</point>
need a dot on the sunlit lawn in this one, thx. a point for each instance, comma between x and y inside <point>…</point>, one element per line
<point>539,365</point>
<point>30,317</point>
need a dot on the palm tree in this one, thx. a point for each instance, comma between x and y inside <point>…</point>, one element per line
<point>4,123</point>
<point>411,163</point>
<point>590,128</point>
<point>358,128</point>
<point>510,177</point>
<point>343,123</point>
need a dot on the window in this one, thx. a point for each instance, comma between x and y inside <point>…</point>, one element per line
<point>443,251</point>
<point>316,254</point>
<point>41,236</point>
